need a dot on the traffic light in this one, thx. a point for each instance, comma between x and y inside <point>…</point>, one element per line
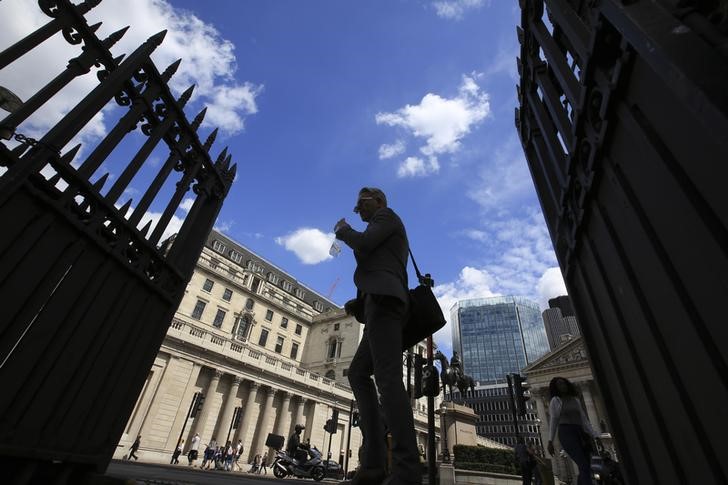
<point>521,393</point>
<point>330,426</point>
<point>199,400</point>
<point>426,378</point>
<point>355,419</point>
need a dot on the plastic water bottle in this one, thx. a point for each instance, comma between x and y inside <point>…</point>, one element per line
<point>335,249</point>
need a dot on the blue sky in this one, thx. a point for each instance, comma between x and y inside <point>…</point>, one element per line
<point>316,99</point>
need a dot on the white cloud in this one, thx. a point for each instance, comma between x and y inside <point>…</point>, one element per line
<point>186,204</point>
<point>309,244</point>
<point>441,122</point>
<point>476,234</point>
<point>416,167</point>
<point>471,283</point>
<point>550,285</point>
<point>455,9</point>
<point>389,151</point>
<point>208,61</point>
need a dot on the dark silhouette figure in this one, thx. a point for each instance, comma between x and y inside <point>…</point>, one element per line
<point>381,254</point>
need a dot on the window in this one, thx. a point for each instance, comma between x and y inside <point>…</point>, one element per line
<point>284,322</point>
<point>199,308</point>
<point>334,350</point>
<point>243,327</point>
<point>287,285</point>
<point>336,326</point>
<point>219,317</point>
<point>256,284</point>
<point>318,306</point>
<point>249,304</point>
<point>207,285</point>
<point>294,350</point>
<point>236,256</point>
<point>218,246</point>
<point>227,294</point>
<point>263,337</point>
<point>269,315</point>
<point>299,329</point>
<point>345,372</point>
<point>279,345</point>
<point>273,278</point>
<point>300,293</point>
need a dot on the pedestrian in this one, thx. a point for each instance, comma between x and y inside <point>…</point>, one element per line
<point>177,452</point>
<point>575,431</point>
<point>382,304</point>
<point>263,465</point>
<point>256,464</point>
<point>135,447</point>
<point>229,456</point>
<point>537,464</point>
<point>238,452</point>
<point>524,460</point>
<point>194,448</point>
<point>208,455</point>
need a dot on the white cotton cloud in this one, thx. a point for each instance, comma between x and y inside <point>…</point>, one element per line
<point>440,122</point>
<point>310,245</point>
<point>417,167</point>
<point>471,283</point>
<point>389,151</point>
<point>208,61</point>
<point>455,9</point>
<point>550,285</point>
<point>186,204</point>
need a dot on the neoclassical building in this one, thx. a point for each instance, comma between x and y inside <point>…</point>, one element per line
<point>249,335</point>
<point>570,360</point>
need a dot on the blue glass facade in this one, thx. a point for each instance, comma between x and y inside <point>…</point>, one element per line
<point>496,336</point>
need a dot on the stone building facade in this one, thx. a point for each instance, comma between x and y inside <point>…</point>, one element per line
<point>249,335</point>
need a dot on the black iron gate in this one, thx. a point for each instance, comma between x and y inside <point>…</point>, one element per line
<point>86,292</point>
<point>623,117</point>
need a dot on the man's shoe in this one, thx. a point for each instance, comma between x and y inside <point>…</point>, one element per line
<point>369,476</point>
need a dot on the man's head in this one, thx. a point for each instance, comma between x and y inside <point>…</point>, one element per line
<point>370,200</point>
<point>299,428</point>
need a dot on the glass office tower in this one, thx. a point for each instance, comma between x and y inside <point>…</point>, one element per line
<point>497,336</point>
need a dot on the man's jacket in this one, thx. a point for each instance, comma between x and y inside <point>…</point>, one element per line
<point>381,255</point>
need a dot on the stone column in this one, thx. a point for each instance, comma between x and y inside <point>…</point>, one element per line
<point>203,415</point>
<point>310,418</point>
<point>263,424</point>
<point>242,430</point>
<point>223,426</point>
<point>284,422</point>
<point>591,410</point>
<point>544,417</point>
<point>299,418</point>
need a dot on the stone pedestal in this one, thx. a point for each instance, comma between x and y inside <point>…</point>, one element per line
<point>457,424</point>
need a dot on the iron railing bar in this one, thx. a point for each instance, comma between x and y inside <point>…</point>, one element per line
<point>34,39</point>
<point>571,24</point>
<point>548,133</point>
<point>553,103</point>
<point>556,60</point>
<point>182,188</point>
<point>64,130</point>
<point>136,163</point>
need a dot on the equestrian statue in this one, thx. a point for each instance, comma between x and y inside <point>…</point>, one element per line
<point>452,375</point>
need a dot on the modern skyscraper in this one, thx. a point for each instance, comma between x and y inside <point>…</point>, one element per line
<point>496,336</point>
<point>560,321</point>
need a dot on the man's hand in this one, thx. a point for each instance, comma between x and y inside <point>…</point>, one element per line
<point>342,223</point>
<point>550,447</point>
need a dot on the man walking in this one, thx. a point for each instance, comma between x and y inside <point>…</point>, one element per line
<point>135,447</point>
<point>382,304</point>
<point>194,447</point>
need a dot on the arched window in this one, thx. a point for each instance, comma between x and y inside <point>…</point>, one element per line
<point>330,374</point>
<point>243,328</point>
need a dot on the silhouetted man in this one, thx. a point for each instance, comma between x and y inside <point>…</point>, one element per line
<point>382,305</point>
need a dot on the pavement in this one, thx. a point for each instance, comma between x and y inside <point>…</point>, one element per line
<point>160,474</point>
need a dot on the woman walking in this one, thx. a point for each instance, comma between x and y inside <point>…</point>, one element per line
<point>575,431</point>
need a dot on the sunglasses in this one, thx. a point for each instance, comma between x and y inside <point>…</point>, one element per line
<point>358,203</point>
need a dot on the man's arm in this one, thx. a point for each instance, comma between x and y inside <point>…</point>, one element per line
<point>379,229</point>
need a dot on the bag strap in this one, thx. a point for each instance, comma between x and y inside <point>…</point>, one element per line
<point>414,263</point>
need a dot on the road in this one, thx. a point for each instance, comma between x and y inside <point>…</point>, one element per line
<point>184,475</point>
